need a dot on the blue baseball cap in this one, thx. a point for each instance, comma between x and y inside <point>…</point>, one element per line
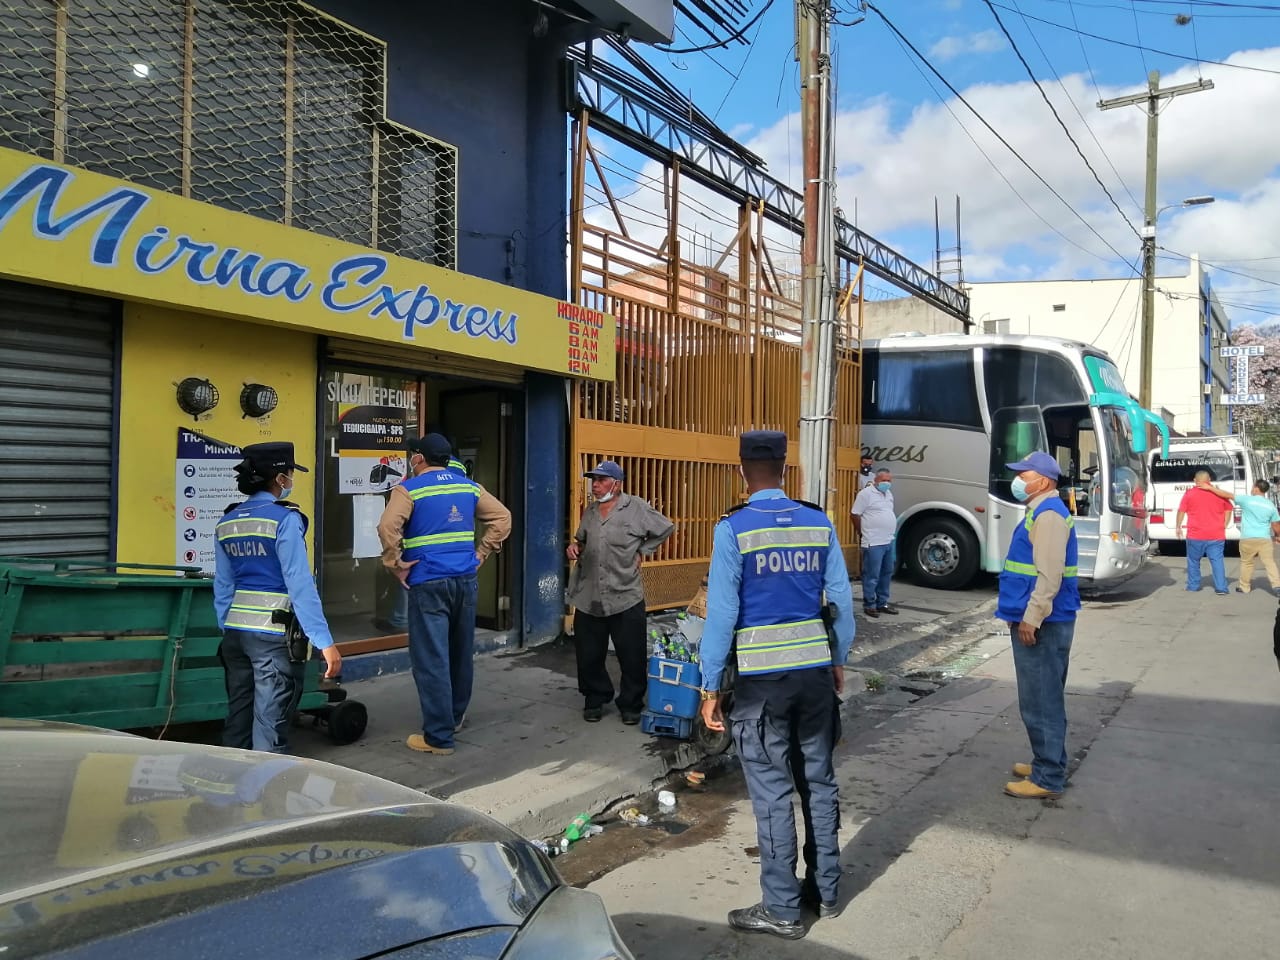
<point>608,470</point>
<point>1040,462</point>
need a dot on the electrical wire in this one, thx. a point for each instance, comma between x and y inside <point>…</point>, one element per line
<point>986,156</point>
<point>1083,52</point>
<point>1123,43</point>
<point>741,69</point>
<point>1137,33</point>
<point>1054,110</point>
<point>737,36</point>
<point>1219,267</point>
<point>1164,14</point>
<point>981,119</point>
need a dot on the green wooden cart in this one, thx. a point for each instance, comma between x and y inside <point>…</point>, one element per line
<point>125,646</point>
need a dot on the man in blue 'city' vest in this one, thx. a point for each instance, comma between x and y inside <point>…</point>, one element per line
<point>772,561</point>
<point>428,534</point>
<point>1039,597</point>
<point>261,577</point>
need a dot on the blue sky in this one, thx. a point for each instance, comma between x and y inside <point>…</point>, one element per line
<point>898,146</point>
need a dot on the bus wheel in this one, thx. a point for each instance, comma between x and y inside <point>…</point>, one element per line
<point>942,553</point>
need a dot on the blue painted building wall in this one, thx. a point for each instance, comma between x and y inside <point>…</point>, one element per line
<point>473,74</point>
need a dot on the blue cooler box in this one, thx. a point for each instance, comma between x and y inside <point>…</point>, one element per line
<point>674,688</point>
<point>666,725</point>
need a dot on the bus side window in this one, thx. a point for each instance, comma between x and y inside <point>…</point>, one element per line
<point>1015,433</point>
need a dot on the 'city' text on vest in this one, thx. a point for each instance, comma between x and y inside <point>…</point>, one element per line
<point>788,561</point>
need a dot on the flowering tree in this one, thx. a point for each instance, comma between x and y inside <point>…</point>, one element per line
<point>1262,422</point>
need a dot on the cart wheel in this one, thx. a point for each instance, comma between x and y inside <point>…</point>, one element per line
<point>347,721</point>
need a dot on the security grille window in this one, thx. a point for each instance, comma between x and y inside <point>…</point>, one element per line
<point>265,107</point>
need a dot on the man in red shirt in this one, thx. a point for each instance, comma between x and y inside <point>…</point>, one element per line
<point>1207,516</point>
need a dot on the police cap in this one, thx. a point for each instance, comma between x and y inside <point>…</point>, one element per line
<point>269,459</point>
<point>763,445</point>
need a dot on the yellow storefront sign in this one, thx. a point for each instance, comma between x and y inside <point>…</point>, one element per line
<point>67,227</point>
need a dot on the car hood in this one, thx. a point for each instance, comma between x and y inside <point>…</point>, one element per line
<point>117,845</point>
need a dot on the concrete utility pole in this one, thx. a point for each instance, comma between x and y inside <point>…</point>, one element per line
<point>818,321</point>
<point>1150,101</point>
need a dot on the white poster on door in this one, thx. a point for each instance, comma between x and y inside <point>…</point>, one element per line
<point>366,511</point>
<point>205,486</point>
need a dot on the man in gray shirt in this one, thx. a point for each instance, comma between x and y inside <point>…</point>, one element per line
<point>616,531</point>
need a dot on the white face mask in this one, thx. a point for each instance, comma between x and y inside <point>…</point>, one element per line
<point>607,497</point>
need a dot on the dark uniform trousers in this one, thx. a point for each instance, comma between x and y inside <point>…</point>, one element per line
<point>785,726</point>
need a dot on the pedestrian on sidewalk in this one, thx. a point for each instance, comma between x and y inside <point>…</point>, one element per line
<point>261,569</point>
<point>1039,598</point>
<point>1206,516</point>
<point>772,561</point>
<point>875,523</point>
<point>1259,532</point>
<point>616,533</point>
<point>428,534</point>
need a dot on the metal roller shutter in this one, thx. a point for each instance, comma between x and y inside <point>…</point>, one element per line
<point>57,421</point>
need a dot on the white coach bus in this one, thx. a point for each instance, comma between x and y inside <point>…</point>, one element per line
<point>946,413</point>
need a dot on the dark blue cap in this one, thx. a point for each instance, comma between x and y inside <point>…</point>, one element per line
<point>607,470</point>
<point>1040,462</point>
<point>763,445</point>
<point>432,447</point>
<point>268,459</point>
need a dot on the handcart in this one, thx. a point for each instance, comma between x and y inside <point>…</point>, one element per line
<point>126,646</point>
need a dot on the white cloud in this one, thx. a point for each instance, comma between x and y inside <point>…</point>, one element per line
<point>1210,143</point>
<point>892,165</point>
<point>985,41</point>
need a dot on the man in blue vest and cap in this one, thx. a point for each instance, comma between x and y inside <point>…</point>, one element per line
<point>772,561</point>
<point>428,535</point>
<point>1039,598</point>
<point>262,579</point>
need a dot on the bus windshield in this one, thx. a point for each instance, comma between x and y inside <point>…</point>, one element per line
<point>1125,484</point>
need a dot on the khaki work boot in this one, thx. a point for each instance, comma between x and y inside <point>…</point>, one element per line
<point>1022,770</point>
<point>1027,790</point>
<point>418,742</point>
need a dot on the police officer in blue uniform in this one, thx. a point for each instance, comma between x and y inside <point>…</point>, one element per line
<point>262,580</point>
<point>428,535</point>
<point>1039,598</point>
<point>773,560</point>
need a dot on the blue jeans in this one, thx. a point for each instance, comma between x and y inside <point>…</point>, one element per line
<point>1196,551</point>
<point>877,575</point>
<point>442,635</point>
<point>263,689</point>
<point>1042,685</point>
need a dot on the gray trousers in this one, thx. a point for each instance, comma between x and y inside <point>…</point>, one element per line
<point>784,727</point>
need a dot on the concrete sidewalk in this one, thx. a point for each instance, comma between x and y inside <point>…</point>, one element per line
<point>1165,845</point>
<point>527,758</point>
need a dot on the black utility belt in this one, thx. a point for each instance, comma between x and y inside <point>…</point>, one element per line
<point>296,641</point>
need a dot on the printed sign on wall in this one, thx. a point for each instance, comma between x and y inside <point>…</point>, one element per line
<point>205,485</point>
<point>372,457</point>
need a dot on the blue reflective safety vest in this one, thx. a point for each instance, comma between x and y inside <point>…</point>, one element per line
<point>247,535</point>
<point>441,532</point>
<point>784,548</point>
<point>1018,578</point>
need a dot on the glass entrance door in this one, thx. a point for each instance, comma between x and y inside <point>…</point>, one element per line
<point>368,416</point>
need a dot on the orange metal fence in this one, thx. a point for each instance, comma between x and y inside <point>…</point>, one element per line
<point>705,352</point>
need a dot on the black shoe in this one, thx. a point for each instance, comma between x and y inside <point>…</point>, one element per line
<point>825,909</point>
<point>871,612</point>
<point>630,717</point>
<point>592,714</point>
<point>758,920</point>
<point>889,608</point>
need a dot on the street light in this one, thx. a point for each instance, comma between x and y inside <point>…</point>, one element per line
<point>1148,291</point>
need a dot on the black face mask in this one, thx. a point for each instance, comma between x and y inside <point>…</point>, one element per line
<point>866,471</point>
